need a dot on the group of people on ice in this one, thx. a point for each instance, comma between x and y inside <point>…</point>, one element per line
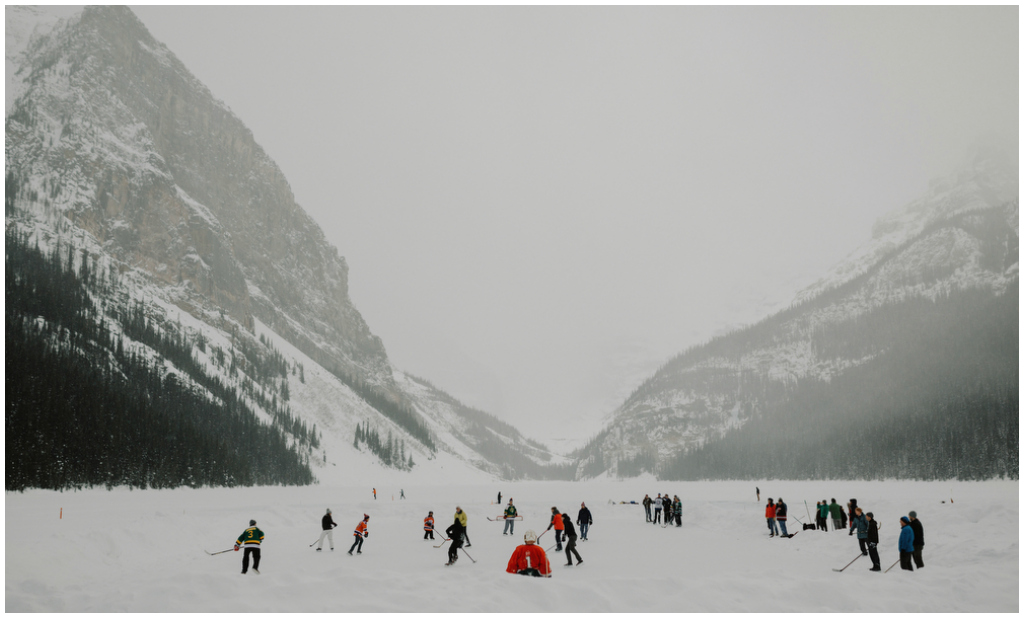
<point>856,521</point>
<point>672,506</point>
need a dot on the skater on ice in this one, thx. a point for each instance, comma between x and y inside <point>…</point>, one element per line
<point>559,525</point>
<point>250,539</point>
<point>455,533</point>
<point>647,506</point>
<point>860,526</point>
<point>769,515</point>
<point>327,526</point>
<point>428,526</point>
<point>463,519</point>
<point>361,532</point>
<point>570,545</point>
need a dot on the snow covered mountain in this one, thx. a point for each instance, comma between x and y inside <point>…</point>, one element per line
<point>941,269</point>
<point>120,162</point>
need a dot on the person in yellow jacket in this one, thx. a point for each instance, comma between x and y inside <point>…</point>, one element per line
<point>463,518</point>
<point>250,539</point>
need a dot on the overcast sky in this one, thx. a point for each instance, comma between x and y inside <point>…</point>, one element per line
<point>539,206</point>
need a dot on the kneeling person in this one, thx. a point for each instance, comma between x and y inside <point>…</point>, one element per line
<point>529,558</point>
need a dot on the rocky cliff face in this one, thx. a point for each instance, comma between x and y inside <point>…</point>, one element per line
<point>961,236</point>
<point>115,134</point>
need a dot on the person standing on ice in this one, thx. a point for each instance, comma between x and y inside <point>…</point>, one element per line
<point>769,514</point>
<point>836,512</point>
<point>781,516</point>
<point>428,526</point>
<point>529,558</point>
<point>559,525</point>
<point>327,526</point>
<point>758,490</point>
<point>915,525</point>
<point>906,544</point>
<point>657,509</point>
<point>860,526</point>
<point>570,544</point>
<point>455,533</point>
<point>584,520</point>
<point>510,517</point>
<point>360,533</point>
<point>677,508</point>
<point>499,498</point>
<point>823,515</point>
<point>401,494</point>
<point>251,539</point>
<point>876,562</point>
<point>374,493</point>
<point>851,506</point>
<point>647,506</point>
<point>463,519</point>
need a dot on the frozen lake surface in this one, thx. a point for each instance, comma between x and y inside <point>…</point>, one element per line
<point>143,551</point>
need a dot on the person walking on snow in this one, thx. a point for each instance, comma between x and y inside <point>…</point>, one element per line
<point>529,558</point>
<point>583,519</point>
<point>401,494</point>
<point>915,525</point>
<point>570,545</point>
<point>428,526</point>
<point>510,518</point>
<point>860,526</point>
<point>876,563</point>
<point>250,539</point>
<point>455,533</point>
<point>769,514</point>
<point>559,525</point>
<point>657,509</point>
<point>647,506</point>
<point>781,516</point>
<point>327,526</point>
<point>906,544</point>
<point>361,532</point>
<point>463,520</point>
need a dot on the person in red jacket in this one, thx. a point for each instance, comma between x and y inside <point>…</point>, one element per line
<point>529,558</point>
<point>559,525</point>
<point>769,514</point>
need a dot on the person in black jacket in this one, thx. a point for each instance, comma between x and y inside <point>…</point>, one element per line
<point>570,545</point>
<point>454,532</point>
<point>327,524</point>
<point>647,506</point>
<point>584,520</point>
<point>915,525</point>
<point>876,563</point>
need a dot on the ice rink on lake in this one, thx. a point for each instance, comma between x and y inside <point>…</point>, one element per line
<point>143,551</point>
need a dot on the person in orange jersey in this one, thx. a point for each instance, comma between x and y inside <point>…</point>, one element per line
<point>529,558</point>
<point>428,526</point>
<point>360,533</point>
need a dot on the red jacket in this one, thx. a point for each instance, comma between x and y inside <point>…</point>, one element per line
<point>769,511</point>
<point>556,520</point>
<point>428,523</point>
<point>361,530</point>
<point>529,557</point>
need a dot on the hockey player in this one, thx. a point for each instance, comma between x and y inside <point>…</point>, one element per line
<point>361,532</point>
<point>251,539</point>
<point>570,545</point>
<point>428,526</point>
<point>327,524</point>
<point>529,558</point>
<point>583,519</point>
<point>559,525</point>
<point>455,533</point>
<point>463,520</point>
<point>510,518</point>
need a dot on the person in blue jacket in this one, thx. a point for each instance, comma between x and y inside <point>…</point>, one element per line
<point>906,544</point>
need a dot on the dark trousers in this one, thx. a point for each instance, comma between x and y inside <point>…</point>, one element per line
<point>905,564</point>
<point>647,509</point>
<point>679,520</point>
<point>657,516</point>
<point>357,543</point>
<point>863,546</point>
<point>570,546</point>
<point>873,552</point>
<point>255,551</point>
<point>453,551</point>
<point>918,560</point>
<point>465,539</point>
<point>558,540</point>
<point>428,534</point>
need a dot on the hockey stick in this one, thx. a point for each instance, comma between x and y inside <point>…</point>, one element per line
<point>445,541</point>
<point>893,564</point>
<point>851,562</point>
<point>519,517</point>
<point>222,552</point>
<point>468,556</point>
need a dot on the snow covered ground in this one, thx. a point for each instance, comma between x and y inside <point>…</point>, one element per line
<point>121,550</point>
